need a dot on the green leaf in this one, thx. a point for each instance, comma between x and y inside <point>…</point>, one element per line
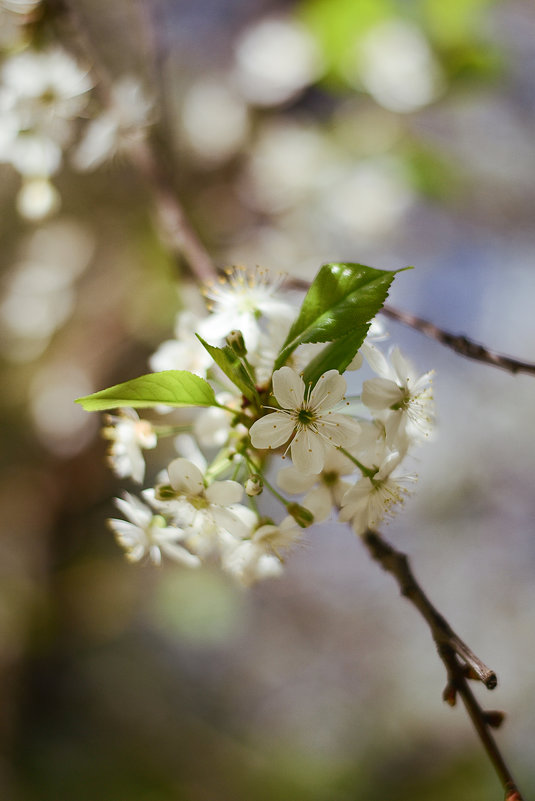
<point>342,300</point>
<point>170,387</point>
<point>334,356</point>
<point>226,359</point>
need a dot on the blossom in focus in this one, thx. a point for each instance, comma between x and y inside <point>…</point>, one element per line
<point>324,490</point>
<point>373,499</point>
<point>237,302</point>
<point>403,400</point>
<point>208,515</point>
<point>307,416</point>
<point>145,534</point>
<point>128,436</point>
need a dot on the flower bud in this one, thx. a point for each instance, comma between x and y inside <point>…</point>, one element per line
<point>254,485</point>
<point>302,516</point>
<point>236,343</point>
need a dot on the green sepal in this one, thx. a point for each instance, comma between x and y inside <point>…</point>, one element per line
<point>226,359</point>
<point>170,388</point>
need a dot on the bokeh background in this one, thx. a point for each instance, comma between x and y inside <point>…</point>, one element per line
<point>389,133</point>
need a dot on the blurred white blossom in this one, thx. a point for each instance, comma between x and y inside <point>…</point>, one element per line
<point>275,59</point>
<point>129,437</point>
<point>144,533</point>
<point>123,123</point>
<point>397,67</point>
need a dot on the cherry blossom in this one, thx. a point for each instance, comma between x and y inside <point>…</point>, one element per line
<point>404,400</point>
<point>145,534</point>
<point>306,415</point>
<point>128,436</point>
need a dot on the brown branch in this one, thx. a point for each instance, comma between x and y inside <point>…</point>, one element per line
<point>459,343</point>
<point>178,232</point>
<point>460,662</point>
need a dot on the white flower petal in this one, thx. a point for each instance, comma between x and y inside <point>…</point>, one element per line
<point>376,359</point>
<point>291,480</point>
<point>185,477</point>
<point>272,430</point>
<point>288,388</point>
<point>329,390</point>
<point>224,492</point>
<point>402,366</point>
<point>381,393</point>
<point>180,554</point>
<point>308,452</point>
<point>319,502</point>
<point>339,429</point>
<point>134,510</point>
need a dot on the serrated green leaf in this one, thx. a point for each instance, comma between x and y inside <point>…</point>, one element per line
<point>342,299</point>
<point>170,387</point>
<point>226,359</point>
<point>336,355</point>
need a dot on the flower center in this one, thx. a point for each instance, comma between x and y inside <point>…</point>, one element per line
<point>305,417</point>
<point>330,478</point>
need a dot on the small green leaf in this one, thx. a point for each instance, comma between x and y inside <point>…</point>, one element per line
<point>170,387</point>
<point>342,300</point>
<point>226,359</point>
<point>335,356</point>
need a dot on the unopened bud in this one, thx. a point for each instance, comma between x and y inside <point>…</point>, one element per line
<point>303,517</point>
<point>254,485</point>
<point>236,343</point>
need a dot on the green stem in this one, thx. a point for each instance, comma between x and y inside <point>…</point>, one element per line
<point>366,471</point>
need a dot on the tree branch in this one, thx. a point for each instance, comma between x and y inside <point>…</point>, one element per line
<point>178,233</point>
<point>459,343</point>
<point>460,662</point>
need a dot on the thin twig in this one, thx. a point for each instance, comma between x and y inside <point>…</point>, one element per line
<point>460,662</point>
<point>179,234</point>
<point>459,343</point>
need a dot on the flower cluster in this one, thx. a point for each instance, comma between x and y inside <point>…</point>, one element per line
<point>265,400</point>
<point>45,96</point>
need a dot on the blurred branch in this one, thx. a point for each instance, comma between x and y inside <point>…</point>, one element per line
<point>176,229</point>
<point>179,234</point>
<point>460,662</point>
<point>459,343</point>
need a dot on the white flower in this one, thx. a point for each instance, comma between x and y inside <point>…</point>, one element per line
<point>372,499</point>
<point>128,436</point>
<point>144,533</point>
<point>323,491</point>
<point>248,562</point>
<point>237,302</point>
<point>41,93</point>
<point>205,514</point>
<point>404,400</point>
<point>307,416</point>
<point>125,122</point>
<point>185,352</point>
<point>44,91</point>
